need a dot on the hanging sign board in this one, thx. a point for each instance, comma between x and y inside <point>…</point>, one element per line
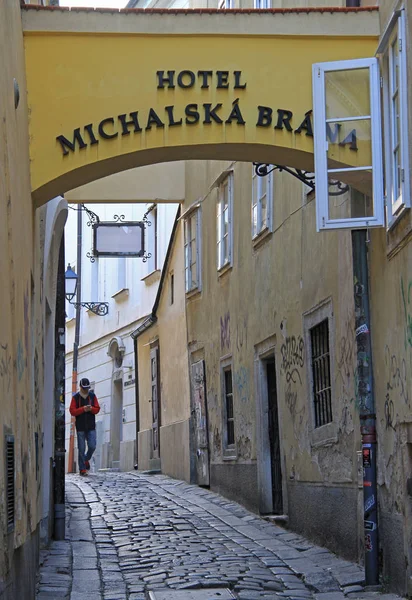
<point>124,238</point>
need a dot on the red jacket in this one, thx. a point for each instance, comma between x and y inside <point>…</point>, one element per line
<point>85,419</point>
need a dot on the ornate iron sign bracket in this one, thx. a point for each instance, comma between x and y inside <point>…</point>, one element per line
<point>306,177</point>
<point>98,308</point>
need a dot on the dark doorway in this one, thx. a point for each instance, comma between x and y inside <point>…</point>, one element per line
<point>274,439</point>
<point>155,379</point>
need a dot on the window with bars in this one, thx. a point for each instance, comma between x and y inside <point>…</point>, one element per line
<point>10,488</point>
<point>230,417</point>
<point>320,357</point>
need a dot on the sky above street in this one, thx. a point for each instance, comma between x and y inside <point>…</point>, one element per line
<point>95,3</point>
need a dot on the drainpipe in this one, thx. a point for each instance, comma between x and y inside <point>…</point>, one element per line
<point>71,466</point>
<point>59,423</point>
<point>366,402</point>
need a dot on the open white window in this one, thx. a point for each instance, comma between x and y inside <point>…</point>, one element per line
<point>392,51</point>
<point>348,144</point>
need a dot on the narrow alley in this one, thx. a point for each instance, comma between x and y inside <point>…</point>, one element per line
<point>129,534</point>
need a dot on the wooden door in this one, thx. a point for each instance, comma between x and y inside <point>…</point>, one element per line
<point>199,413</point>
<point>155,383</point>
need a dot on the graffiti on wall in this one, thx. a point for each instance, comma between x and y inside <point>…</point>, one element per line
<point>396,376</point>
<point>20,361</point>
<point>241,334</point>
<point>26,322</point>
<point>5,367</point>
<point>36,384</point>
<point>293,360</point>
<point>242,382</point>
<point>407,307</point>
<point>225,331</point>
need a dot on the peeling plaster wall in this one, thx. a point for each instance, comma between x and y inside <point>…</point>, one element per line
<point>269,291</point>
<point>21,325</point>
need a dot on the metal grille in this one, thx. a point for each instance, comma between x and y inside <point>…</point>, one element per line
<point>10,492</point>
<point>322,392</point>
<point>230,419</point>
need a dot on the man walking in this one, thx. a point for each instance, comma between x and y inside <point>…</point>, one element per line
<point>84,406</point>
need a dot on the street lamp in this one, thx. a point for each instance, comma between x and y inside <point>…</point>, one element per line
<point>98,308</point>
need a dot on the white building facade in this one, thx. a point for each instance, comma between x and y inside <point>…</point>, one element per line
<point>106,350</point>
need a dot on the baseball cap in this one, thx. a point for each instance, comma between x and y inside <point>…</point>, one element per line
<point>85,383</point>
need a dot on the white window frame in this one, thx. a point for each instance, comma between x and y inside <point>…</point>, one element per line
<point>225,4</point>
<point>263,4</point>
<point>321,145</point>
<point>189,287</point>
<point>257,196</point>
<point>221,262</point>
<point>396,31</point>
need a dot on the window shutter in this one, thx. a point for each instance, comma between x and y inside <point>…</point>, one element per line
<point>348,144</point>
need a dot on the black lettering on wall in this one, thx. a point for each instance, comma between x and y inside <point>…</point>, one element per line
<point>103,134</point>
<point>205,78</point>
<point>68,145</point>
<point>192,114</point>
<point>133,121</point>
<point>153,119</point>
<point>89,129</point>
<point>186,74</point>
<point>350,139</point>
<point>238,85</point>
<point>284,117</point>
<point>306,125</point>
<point>236,114</point>
<point>264,116</point>
<point>333,135</point>
<point>222,79</point>
<point>172,122</point>
<point>162,80</point>
<point>210,113</point>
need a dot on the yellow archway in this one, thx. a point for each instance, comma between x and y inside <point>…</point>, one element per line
<point>111,91</point>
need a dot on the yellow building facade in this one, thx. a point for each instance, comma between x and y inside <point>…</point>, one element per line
<point>254,363</point>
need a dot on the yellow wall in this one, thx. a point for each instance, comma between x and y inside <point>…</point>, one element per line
<point>62,92</point>
<point>21,326</point>
<point>170,331</point>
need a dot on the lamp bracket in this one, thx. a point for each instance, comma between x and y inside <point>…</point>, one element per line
<point>306,177</point>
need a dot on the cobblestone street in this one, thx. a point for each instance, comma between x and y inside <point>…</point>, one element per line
<point>131,533</point>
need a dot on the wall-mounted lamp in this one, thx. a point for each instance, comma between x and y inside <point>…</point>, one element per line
<point>98,308</point>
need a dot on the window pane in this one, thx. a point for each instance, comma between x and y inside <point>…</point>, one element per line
<point>350,144</point>
<point>225,249</point>
<point>262,186</point>
<point>263,212</point>
<point>395,65</point>
<point>254,220</point>
<point>350,202</point>
<point>193,252</point>
<point>347,93</point>
<point>193,275</point>
<point>226,221</point>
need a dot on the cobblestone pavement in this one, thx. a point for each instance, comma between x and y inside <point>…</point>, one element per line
<point>129,533</point>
